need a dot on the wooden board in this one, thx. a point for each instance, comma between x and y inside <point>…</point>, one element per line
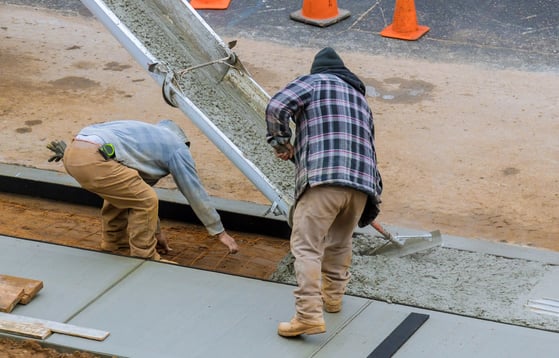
<point>58,327</point>
<point>9,297</point>
<point>33,330</point>
<point>30,286</point>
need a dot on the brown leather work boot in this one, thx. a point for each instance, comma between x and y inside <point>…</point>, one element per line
<point>296,328</point>
<point>112,246</point>
<point>333,307</point>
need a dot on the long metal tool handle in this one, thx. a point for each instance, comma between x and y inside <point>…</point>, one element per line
<point>388,236</point>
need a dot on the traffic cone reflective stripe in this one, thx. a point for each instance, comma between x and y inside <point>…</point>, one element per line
<point>210,4</point>
<point>320,13</point>
<point>404,25</point>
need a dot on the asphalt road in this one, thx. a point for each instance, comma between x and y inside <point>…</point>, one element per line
<point>520,34</point>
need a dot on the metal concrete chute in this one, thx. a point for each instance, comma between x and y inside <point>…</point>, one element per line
<point>201,75</point>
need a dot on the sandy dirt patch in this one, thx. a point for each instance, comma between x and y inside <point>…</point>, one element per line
<point>464,149</point>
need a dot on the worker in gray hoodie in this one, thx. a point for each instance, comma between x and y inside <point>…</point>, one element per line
<point>120,161</point>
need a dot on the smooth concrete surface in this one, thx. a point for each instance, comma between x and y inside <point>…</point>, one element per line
<point>547,287</point>
<point>165,310</point>
<point>442,335</point>
<point>72,278</point>
<point>154,309</point>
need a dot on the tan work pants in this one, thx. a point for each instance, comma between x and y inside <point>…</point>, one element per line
<point>130,206</point>
<point>321,242</point>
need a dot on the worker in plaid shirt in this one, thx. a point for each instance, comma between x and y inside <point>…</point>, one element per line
<point>337,184</point>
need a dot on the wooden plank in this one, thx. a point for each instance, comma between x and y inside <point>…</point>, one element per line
<point>9,297</point>
<point>59,327</point>
<point>33,330</point>
<point>30,286</point>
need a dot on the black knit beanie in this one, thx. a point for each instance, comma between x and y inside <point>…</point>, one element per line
<point>326,59</point>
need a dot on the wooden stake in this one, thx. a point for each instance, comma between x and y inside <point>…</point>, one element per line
<point>57,327</point>
<point>32,330</point>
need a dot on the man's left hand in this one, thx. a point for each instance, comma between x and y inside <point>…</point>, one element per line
<point>229,242</point>
<point>58,147</point>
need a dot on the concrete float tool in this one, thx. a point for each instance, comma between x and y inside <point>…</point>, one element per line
<point>401,245</point>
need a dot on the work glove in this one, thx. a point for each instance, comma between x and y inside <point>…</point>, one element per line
<point>58,147</point>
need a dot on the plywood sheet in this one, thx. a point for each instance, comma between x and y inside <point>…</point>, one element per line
<point>9,297</point>
<point>57,327</point>
<point>30,286</point>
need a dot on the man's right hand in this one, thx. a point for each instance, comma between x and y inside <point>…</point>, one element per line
<point>229,242</point>
<point>284,151</point>
<point>162,244</point>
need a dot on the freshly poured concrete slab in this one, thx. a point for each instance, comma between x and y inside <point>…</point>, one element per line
<point>164,310</point>
<point>72,278</point>
<point>154,309</point>
<point>442,335</point>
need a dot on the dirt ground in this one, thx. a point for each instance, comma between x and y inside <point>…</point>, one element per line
<point>10,348</point>
<point>464,149</point>
<point>468,150</point>
<point>80,226</point>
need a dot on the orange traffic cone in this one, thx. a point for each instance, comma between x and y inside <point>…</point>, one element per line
<point>210,4</point>
<point>320,13</point>
<point>404,26</point>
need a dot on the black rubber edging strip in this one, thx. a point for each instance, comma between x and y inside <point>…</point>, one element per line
<point>399,335</point>
<point>167,210</point>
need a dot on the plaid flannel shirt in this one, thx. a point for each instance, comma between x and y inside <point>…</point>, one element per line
<point>334,142</point>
